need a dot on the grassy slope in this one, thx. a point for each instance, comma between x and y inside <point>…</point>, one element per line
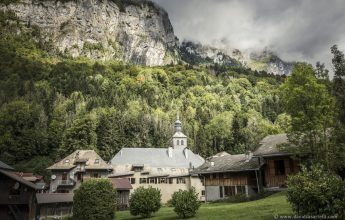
<point>260,209</point>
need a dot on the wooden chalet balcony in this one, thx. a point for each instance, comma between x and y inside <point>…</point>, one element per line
<point>65,183</point>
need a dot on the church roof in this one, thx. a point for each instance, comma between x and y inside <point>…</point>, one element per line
<point>158,157</point>
<point>179,134</point>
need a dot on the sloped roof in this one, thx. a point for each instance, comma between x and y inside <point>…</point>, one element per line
<point>78,156</point>
<point>46,198</point>
<point>17,178</point>
<point>5,166</point>
<point>121,183</point>
<point>269,145</point>
<point>228,163</point>
<point>158,157</point>
<point>179,134</point>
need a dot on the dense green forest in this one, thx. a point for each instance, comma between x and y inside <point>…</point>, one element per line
<point>52,104</point>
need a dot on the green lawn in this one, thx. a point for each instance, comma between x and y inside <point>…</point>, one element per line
<point>260,209</point>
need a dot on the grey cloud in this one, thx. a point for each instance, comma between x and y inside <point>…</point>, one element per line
<point>297,30</point>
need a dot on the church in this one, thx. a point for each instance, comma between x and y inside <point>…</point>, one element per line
<point>168,169</point>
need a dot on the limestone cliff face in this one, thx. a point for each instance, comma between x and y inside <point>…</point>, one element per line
<point>99,29</point>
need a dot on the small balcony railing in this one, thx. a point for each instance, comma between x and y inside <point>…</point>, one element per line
<point>66,182</point>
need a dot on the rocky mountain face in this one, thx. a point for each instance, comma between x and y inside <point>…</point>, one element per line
<point>195,53</point>
<point>136,31</point>
<point>128,30</point>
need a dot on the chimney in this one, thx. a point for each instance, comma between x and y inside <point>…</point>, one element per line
<point>170,152</point>
<point>249,156</point>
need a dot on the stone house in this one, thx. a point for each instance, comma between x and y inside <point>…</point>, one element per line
<point>70,172</point>
<point>167,169</point>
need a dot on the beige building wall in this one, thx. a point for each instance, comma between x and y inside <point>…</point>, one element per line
<point>168,180</point>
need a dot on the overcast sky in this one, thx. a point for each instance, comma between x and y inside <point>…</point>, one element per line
<point>297,30</point>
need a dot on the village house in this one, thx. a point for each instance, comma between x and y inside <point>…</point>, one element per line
<point>226,175</point>
<point>275,164</point>
<point>70,172</point>
<point>167,169</point>
<point>17,195</point>
<point>267,168</point>
<point>54,205</point>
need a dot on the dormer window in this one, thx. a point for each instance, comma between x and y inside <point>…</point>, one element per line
<point>160,169</point>
<point>66,161</point>
<point>178,142</point>
<point>97,161</point>
<point>182,142</point>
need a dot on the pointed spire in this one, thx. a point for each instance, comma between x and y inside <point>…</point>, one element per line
<point>178,124</point>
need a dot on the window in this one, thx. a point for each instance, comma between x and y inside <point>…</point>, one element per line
<point>203,192</point>
<point>66,161</point>
<point>182,142</point>
<point>279,167</point>
<point>181,180</point>
<point>178,142</point>
<point>171,180</point>
<point>96,175</point>
<point>214,176</point>
<point>152,180</point>
<point>220,176</point>
<point>162,180</point>
<point>132,180</point>
<point>142,180</point>
<point>229,191</point>
<point>97,161</point>
<point>221,192</point>
<point>160,169</point>
<point>137,168</point>
<point>241,189</point>
<point>173,169</point>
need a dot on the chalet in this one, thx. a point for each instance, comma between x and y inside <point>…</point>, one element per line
<point>69,173</point>
<point>226,175</point>
<point>167,169</point>
<point>275,164</point>
<point>267,168</point>
<point>17,195</point>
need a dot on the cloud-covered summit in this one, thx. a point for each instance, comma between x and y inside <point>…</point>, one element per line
<point>302,30</point>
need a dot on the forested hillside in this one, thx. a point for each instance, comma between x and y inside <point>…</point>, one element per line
<point>51,104</point>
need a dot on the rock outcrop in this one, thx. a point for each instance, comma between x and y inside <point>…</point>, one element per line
<point>135,31</point>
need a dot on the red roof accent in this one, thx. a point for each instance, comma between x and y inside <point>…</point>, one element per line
<point>121,183</point>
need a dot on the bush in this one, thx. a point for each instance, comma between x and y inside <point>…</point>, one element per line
<point>95,199</point>
<point>185,203</point>
<point>317,192</point>
<point>145,201</point>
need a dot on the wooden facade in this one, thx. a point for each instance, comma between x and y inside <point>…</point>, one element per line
<point>277,169</point>
<point>17,199</point>
<point>227,179</point>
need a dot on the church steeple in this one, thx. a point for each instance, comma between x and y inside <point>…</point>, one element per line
<point>179,139</point>
<point>178,124</point>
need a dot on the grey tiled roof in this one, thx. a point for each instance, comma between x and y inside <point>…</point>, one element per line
<point>269,145</point>
<point>228,163</point>
<point>158,157</point>
<point>5,166</point>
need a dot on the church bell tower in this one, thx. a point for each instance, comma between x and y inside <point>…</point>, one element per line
<point>179,139</point>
